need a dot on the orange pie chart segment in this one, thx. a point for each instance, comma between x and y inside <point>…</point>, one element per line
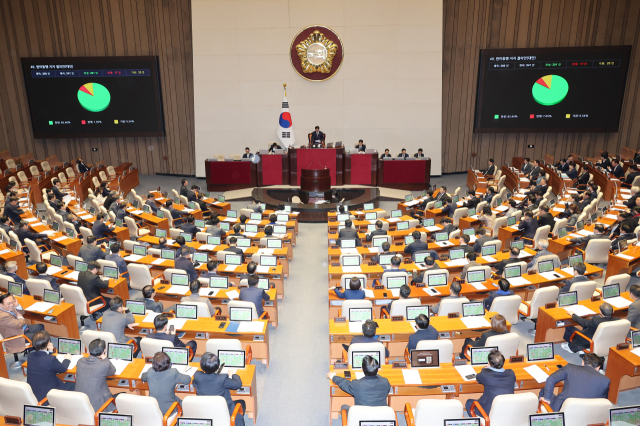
<point>87,88</point>
<point>545,81</point>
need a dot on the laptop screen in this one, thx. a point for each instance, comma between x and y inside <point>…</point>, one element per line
<point>233,259</point>
<point>282,218</point>
<point>342,217</point>
<point>186,311</point>
<point>110,272</point>
<point>429,222</point>
<point>187,237</point>
<point>350,260</point>
<point>179,356</point>
<point>263,283</point>
<point>469,231</point>
<point>414,311</point>
<point>224,226</point>
<point>408,239</point>
<point>136,307</point>
<point>110,419</point>
<point>347,243</point>
<point>480,356</point>
<point>425,358</point>
<point>396,213</point>
<point>140,250</point>
<point>455,254</point>
<point>511,220</point>
<point>35,415</point>
<point>462,422</point>
<point>401,226</point>
<point>385,259</point>
<point>179,279</point>
<point>268,260</point>
<point>146,208</point>
<point>512,271</point>
<point>120,351</point>
<point>624,416</point>
<point>471,212</point>
<point>420,257</point>
<point>192,205</point>
<point>472,309</point>
<point>200,257</point>
<point>232,214</point>
<point>118,222</point>
<point>360,314</point>
<point>635,338</point>
<point>286,209</point>
<point>69,346</point>
<point>408,198</point>
<point>279,229</point>
<point>545,266</point>
<point>434,280</point>
<point>567,299</point>
<point>396,282</point>
<point>562,232</point>
<point>442,236</point>
<point>378,241</point>
<point>489,250</point>
<point>574,260</point>
<point>240,314</point>
<point>219,282</point>
<point>540,351</point>
<point>371,216</point>
<point>475,276</point>
<point>438,205</point>
<point>255,216</point>
<point>549,419</point>
<point>56,260</point>
<point>232,359</point>
<point>168,254</point>
<point>213,241</point>
<point>161,233</point>
<point>160,215</point>
<point>612,290</point>
<point>518,244</point>
<point>358,356</point>
<point>377,423</point>
<point>188,421</point>
<point>15,289</point>
<point>81,266</point>
<point>51,296</point>
<point>368,206</point>
<point>221,198</point>
<point>274,243</point>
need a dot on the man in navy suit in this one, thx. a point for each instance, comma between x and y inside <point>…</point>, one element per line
<point>354,292</point>
<point>44,367</point>
<point>151,204</point>
<point>184,262</point>
<point>233,247</point>
<point>162,333</point>
<point>317,137</point>
<point>448,208</point>
<point>403,154</point>
<point>529,225</point>
<point>254,294</point>
<point>188,227</point>
<point>496,381</point>
<point>579,382</point>
<point>579,271</point>
<point>99,228</point>
<point>368,336</point>
<point>12,211</point>
<point>41,268</point>
<point>56,190</point>
<point>115,257</point>
<point>416,245</point>
<point>526,166</point>
<point>361,146</point>
<point>504,291</point>
<point>616,169</point>
<point>572,172</point>
<point>425,332</point>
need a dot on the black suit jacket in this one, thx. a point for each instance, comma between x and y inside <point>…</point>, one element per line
<point>385,155</point>
<point>418,155</point>
<point>361,148</point>
<point>13,212</point>
<point>41,374</point>
<point>589,327</point>
<point>152,205</point>
<point>535,173</point>
<point>495,383</point>
<point>618,171</point>
<point>579,382</point>
<point>218,385</point>
<point>449,210</point>
<point>236,250</point>
<point>186,265</point>
<point>529,227</point>
<point>416,246</point>
<point>526,168</point>
<point>573,174</point>
<point>546,219</point>
<point>23,233</point>
<point>56,191</point>
<point>371,391</point>
<point>500,265</point>
<point>631,177</point>
<point>606,163</point>
<point>82,168</point>
<point>319,136</point>
<point>375,233</point>
<point>472,203</point>
<point>403,156</point>
<point>491,171</point>
<point>189,228</point>
<point>173,338</point>
<point>184,190</point>
<point>99,230</point>
<point>245,155</point>
<point>91,285</point>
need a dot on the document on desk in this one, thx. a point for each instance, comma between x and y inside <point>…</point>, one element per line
<point>251,327</point>
<point>355,326</point>
<point>178,323</point>
<point>262,269</point>
<point>74,360</point>
<point>412,203</point>
<point>611,216</point>
<point>585,233</point>
<point>349,250</point>
<point>30,219</point>
<point>369,293</point>
<point>579,310</point>
<point>137,212</point>
<point>475,322</point>
<point>158,261</point>
<point>489,259</point>
<point>457,262</point>
<point>178,289</point>
<point>618,302</point>
<point>150,317</point>
<point>254,222</point>
<point>86,217</point>
<point>478,286</point>
<point>514,227</point>
<point>188,370</point>
<point>433,228</point>
<point>558,209</point>
<point>624,256</point>
<point>393,219</point>
<point>352,269</point>
<point>5,251</point>
<point>265,251</point>
<point>57,240</point>
<point>636,351</point>
<point>133,257</point>
<point>233,294</point>
<point>464,371</point>
<point>51,269</point>
<point>120,365</point>
<point>431,291</point>
<point>537,373</point>
<point>48,232</point>
<point>411,377</point>
<point>230,268</point>
<point>145,369</point>
<point>72,276</point>
<point>502,208</point>
<point>40,307</point>
<point>550,275</point>
<point>359,374</point>
<point>205,292</point>
<point>207,247</point>
<point>568,270</point>
<point>518,281</point>
<point>395,292</point>
<point>229,219</point>
<point>524,254</point>
<point>371,250</point>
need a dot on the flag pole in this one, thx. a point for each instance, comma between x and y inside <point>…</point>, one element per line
<point>285,89</point>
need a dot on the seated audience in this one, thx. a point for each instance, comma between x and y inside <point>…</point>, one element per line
<point>162,380</point>
<point>496,381</point>
<point>44,367</point>
<point>425,332</point>
<point>92,373</point>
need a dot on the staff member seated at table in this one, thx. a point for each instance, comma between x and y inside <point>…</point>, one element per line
<point>353,292</point>
<point>371,391</point>
<point>572,173</point>
<point>254,294</point>
<point>491,170</point>
<point>160,323</point>
<point>247,153</point>
<point>498,326</point>
<point>176,215</point>
<point>12,267</point>
<point>425,332</point>
<point>377,231</point>
<point>348,233</point>
<point>148,295</point>
<point>472,200</point>
<point>386,249</point>
<point>488,196</point>
<point>41,268</point>
<point>589,327</point>
<point>233,247</point>
<point>209,383</point>
<point>12,211</point>
<point>386,154</point>
<point>213,228</point>
<point>92,373</point>
<point>237,230</point>
<point>416,245</point>
<point>454,293</point>
<point>12,323</point>
<point>513,258</point>
<point>545,218</point>
<point>578,271</point>
<point>116,319</point>
<point>528,226</point>
<point>361,147</point>
<point>430,265</point>
<point>99,228</point>
<point>23,232</point>
<point>368,336</point>
<point>404,293</point>
<point>317,137</point>
<point>448,208</point>
<point>464,244</point>
<point>504,291</point>
<point>194,287</point>
<point>543,246</point>
<point>626,233</point>
<point>418,154</point>
<point>254,206</point>
<point>403,154</point>
<point>579,382</point>
<point>151,204</point>
<point>396,261</point>
<point>496,381</point>
<point>44,367</point>
<point>212,270</point>
<point>162,380</point>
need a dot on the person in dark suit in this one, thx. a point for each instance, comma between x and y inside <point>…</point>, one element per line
<point>589,327</point>
<point>82,168</point>
<point>526,166</point>
<point>151,204</point>
<point>562,165</point>
<point>578,271</point>
<point>44,367</point>
<point>254,294</point>
<point>113,196</point>
<point>447,222</point>
<point>209,383</point>
<point>604,162</point>
<point>148,294</point>
<point>192,193</point>
<point>498,327</point>
<point>176,215</point>
<point>162,332</point>
<point>188,226</point>
<point>386,154</point>
<point>368,336</point>
<point>91,284</point>
<point>425,332</point>
<point>534,174</point>
<point>634,309</point>
<point>419,154</point>
<point>184,188</point>
<point>442,193</point>
<point>99,228</point>
<point>632,175</point>
<point>371,391</point>
<point>481,238</point>
<point>496,381</point>
<point>583,178</point>
<point>353,292</point>
<point>12,267</point>
<point>361,147</point>
<point>626,230</point>
<point>247,153</point>
<point>233,247</point>
<point>58,206</point>
<point>616,169</point>
<point>403,154</point>
<point>416,245</point>
<point>162,243</point>
<point>23,232</point>
<point>472,200</point>
<point>12,211</point>
<point>102,190</point>
<point>579,382</point>
<point>572,173</point>
<point>274,146</point>
<point>115,257</point>
<point>212,270</point>
<point>4,224</point>
<point>598,233</point>
<point>491,170</point>
<point>194,288</point>
<point>162,380</point>
<point>545,218</point>
<point>504,291</point>
<point>92,373</point>
<point>377,231</point>
<point>448,208</point>
<point>317,137</point>
<point>464,244</point>
<point>348,233</point>
<point>56,189</point>
<point>184,262</point>
<point>514,252</point>
<point>41,268</point>
<point>635,194</point>
<point>541,188</point>
<point>528,226</point>
<point>488,196</point>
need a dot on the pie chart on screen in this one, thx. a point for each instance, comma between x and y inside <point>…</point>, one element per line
<point>94,97</point>
<point>550,90</point>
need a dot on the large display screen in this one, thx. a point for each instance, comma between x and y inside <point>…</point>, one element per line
<point>577,89</point>
<point>94,97</point>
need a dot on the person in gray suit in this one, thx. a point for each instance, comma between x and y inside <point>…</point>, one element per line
<point>148,294</point>
<point>526,166</point>
<point>92,373</point>
<point>598,233</point>
<point>254,206</point>
<point>471,257</point>
<point>371,391</point>
<point>162,380</point>
<point>184,262</point>
<point>209,383</point>
<point>454,293</point>
<point>377,231</point>
<point>578,270</point>
<point>543,246</point>
<point>194,287</point>
<point>634,309</point>
<point>116,319</point>
<point>349,233</point>
<point>254,294</point>
<point>579,382</point>
<point>41,268</point>
<point>90,251</point>
<point>214,228</point>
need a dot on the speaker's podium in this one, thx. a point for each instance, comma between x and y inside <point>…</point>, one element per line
<point>315,185</point>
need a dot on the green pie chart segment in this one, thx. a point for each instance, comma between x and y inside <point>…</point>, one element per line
<point>94,97</point>
<point>550,90</point>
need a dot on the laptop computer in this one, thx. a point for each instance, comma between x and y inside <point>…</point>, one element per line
<point>408,239</point>
<point>385,259</point>
<point>545,266</point>
<point>429,222</point>
<point>574,260</point>
<point>219,282</point>
<point>378,241</point>
<point>635,338</point>
<point>480,356</point>
<point>213,241</point>
<point>402,226</point>
<point>420,257</point>
<point>279,229</point>
<point>540,351</point>
<point>81,266</point>
<point>122,351</point>
<point>472,309</point>
<point>371,216</point>
<point>358,356</point>
<point>476,276</point>
<point>268,260</point>
<point>51,296</point>
<point>367,206</point>
<point>178,356</point>
<point>396,282</point>
<point>512,271</point>
<point>455,254</point>
<point>35,415</point>
<point>567,299</point>
<point>56,260</point>
<point>624,416</point>
<point>136,307</point>
<point>200,257</point>
<point>69,346</point>
<point>111,419</point>
<point>187,237</point>
<point>190,421</point>
<point>110,272</point>
<point>240,314</point>
<point>511,220</point>
<point>282,218</point>
<point>462,422</point>
<point>408,197</point>
<point>140,250</point>
<point>274,243</point>
<point>232,214</point>
<point>255,216</point>
<point>251,228</point>
<point>161,233</point>
<point>421,358</point>
<point>347,243</point>
<point>225,226</point>
<point>360,314</point>
<point>168,254</point>
<point>562,232</point>
<point>611,290</point>
<point>489,250</point>
<point>435,280</point>
<point>233,259</point>
<point>351,260</point>
<point>548,419</point>
<point>160,214</point>
<point>263,283</point>
<point>518,244</point>
<point>414,311</point>
<point>186,311</point>
<point>15,289</point>
<point>396,213</point>
<point>441,236</point>
<point>341,217</point>
<point>469,231</point>
<point>179,279</point>
<point>146,209</point>
<point>232,359</point>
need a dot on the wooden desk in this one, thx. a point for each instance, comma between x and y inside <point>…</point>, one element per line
<point>477,179</point>
<point>433,378</point>
<point>14,256</point>
<point>547,329</point>
<point>64,323</point>
<point>213,204</point>
<point>623,369</point>
<point>618,265</point>
<point>361,225</point>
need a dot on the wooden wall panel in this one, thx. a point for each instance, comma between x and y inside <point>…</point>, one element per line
<point>471,25</point>
<point>31,28</point>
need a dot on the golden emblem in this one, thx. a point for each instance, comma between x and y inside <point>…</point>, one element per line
<point>316,53</point>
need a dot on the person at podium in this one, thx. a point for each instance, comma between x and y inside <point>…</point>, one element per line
<point>274,146</point>
<point>361,146</point>
<point>419,154</point>
<point>317,137</point>
<point>403,154</point>
<point>386,154</point>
